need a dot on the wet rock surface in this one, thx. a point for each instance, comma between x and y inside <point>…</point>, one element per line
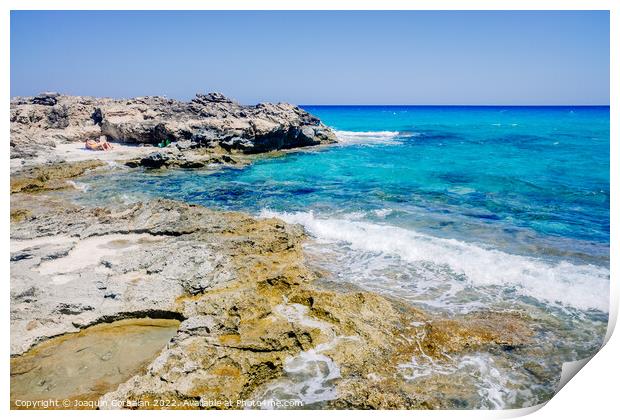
<point>184,158</point>
<point>49,177</point>
<point>256,324</point>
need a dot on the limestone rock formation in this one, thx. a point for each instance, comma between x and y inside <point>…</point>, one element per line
<point>251,312</point>
<point>209,120</point>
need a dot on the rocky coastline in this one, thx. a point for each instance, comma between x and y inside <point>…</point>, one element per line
<point>248,302</point>
<point>208,129</point>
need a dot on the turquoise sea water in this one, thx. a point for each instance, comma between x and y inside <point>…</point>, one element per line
<point>530,185</point>
<point>456,209</point>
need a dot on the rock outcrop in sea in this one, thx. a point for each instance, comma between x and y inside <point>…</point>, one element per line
<point>209,122</point>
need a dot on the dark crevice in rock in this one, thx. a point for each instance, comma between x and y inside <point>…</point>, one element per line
<point>145,313</point>
<point>252,349</point>
<point>148,231</point>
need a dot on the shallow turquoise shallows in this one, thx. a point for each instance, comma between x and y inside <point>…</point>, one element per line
<point>454,209</point>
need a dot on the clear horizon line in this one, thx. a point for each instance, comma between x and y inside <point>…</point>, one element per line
<point>351,105</point>
<point>469,105</point>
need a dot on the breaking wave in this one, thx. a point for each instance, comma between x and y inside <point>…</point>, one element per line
<point>363,137</point>
<point>582,287</point>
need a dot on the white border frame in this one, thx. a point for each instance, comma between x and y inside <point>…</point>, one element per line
<point>591,394</point>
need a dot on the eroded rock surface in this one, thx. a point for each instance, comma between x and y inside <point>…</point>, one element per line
<point>255,323</point>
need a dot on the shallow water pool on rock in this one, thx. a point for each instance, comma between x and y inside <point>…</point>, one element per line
<point>83,366</point>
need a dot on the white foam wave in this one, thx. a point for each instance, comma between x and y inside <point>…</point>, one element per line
<point>363,137</point>
<point>79,186</point>
<point>382,212</point>
<point>493,384</point>
<point>309,375</point>
<point>579,286</point>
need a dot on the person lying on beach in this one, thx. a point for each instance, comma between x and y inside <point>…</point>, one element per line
<point>100,144</point>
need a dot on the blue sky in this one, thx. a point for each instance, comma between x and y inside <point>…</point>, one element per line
<point>345,57</point>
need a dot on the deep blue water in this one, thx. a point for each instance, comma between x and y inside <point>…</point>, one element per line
<point>523,192</point>
<point>542,168</point>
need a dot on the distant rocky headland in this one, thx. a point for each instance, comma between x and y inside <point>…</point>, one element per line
<point>209,126</point>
